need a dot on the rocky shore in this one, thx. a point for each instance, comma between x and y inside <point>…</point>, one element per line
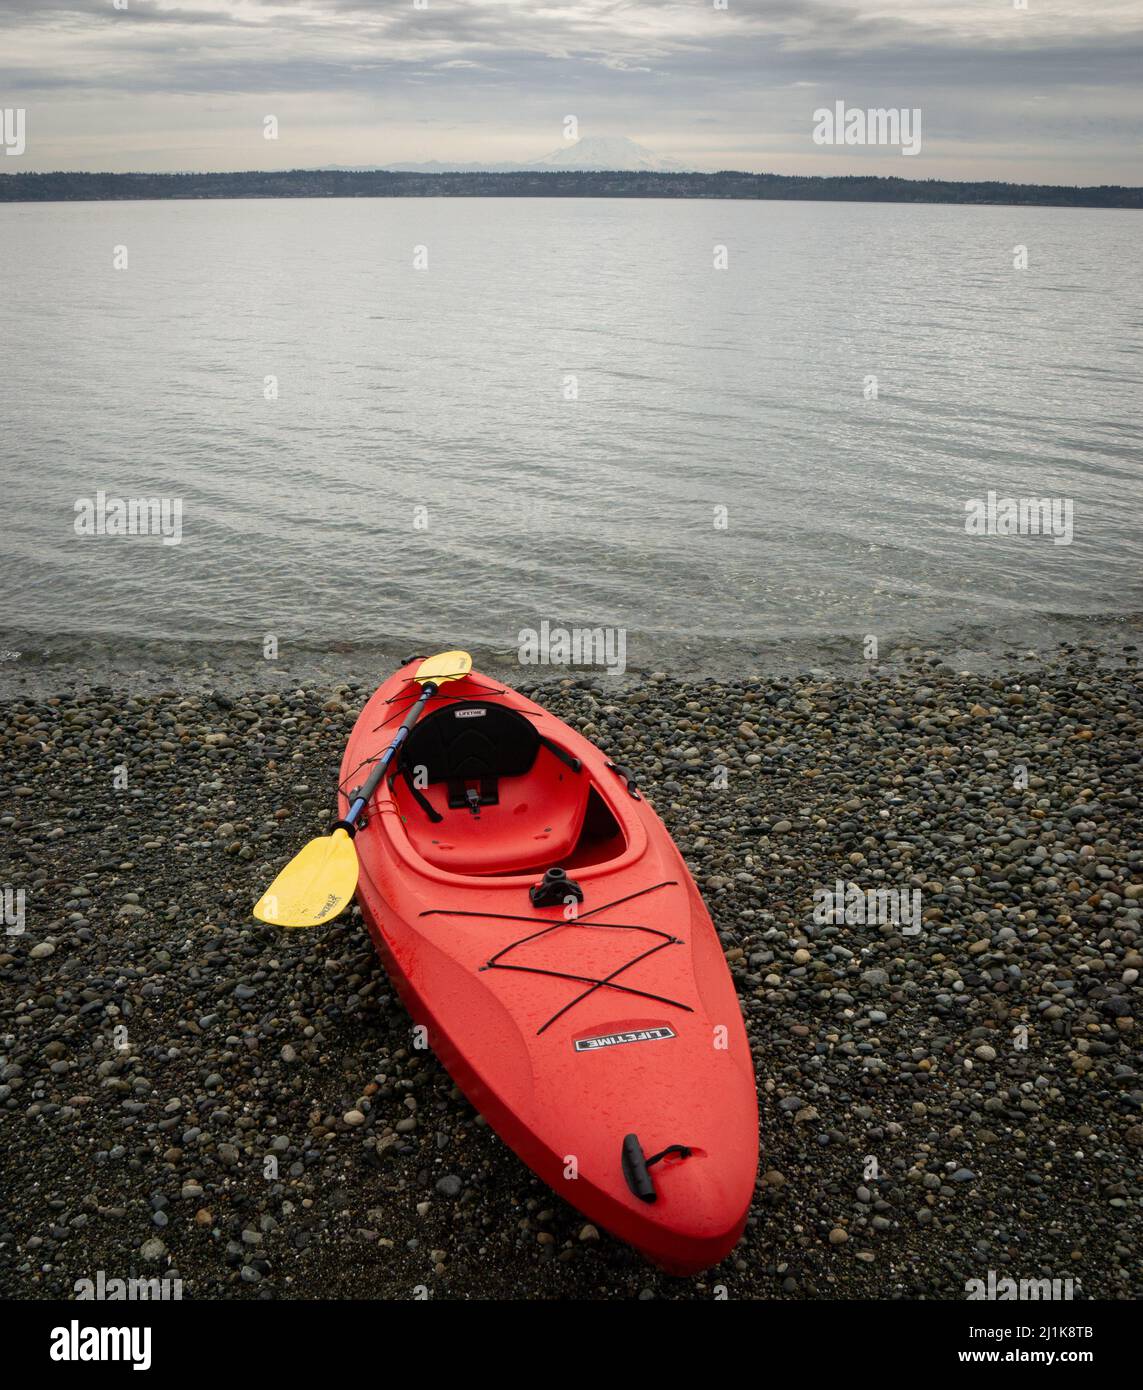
<point>185,1091</point>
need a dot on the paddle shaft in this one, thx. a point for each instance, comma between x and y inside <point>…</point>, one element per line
<point>373,781</point>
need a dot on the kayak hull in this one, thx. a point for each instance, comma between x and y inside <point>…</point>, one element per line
<point>567,1032</point>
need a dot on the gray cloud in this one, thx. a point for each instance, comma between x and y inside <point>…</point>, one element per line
<point>1052,91</point>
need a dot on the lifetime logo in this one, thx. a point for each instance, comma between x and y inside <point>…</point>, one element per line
<point>617,1039</point>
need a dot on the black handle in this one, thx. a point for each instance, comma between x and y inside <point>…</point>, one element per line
<point>627,775</point>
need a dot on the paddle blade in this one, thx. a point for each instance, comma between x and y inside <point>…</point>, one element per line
<point>315,885</point>
<point>445,666</point>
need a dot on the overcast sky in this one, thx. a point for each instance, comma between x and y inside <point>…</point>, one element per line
<point>1051,93</point>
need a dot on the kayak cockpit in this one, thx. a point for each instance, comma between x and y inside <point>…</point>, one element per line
<point>481,791</point>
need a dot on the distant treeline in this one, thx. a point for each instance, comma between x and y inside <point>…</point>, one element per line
<point>337,183</point>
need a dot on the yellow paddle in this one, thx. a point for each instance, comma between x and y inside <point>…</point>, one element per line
<point>320,880</point>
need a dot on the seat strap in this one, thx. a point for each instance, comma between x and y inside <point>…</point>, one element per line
<point>421,799</point>
<point>458,791</point>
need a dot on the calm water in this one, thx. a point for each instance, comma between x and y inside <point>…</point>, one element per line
<point>444,389</point>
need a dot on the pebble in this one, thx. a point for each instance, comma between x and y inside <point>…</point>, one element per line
<point>246,1048</point>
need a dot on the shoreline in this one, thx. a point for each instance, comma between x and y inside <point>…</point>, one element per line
<point>243,1044</point>
<point>33,663</point>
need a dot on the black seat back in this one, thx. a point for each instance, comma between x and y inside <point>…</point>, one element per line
<point>470,742</point>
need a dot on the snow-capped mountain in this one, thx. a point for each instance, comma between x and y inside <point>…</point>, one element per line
<point>606,152</point>
<point>592,153</point>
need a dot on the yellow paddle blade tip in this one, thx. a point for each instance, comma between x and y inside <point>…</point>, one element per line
<point>445,666</point>
<point>314,887</point>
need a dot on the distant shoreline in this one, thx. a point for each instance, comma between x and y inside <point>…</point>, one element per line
<point>729,186</point>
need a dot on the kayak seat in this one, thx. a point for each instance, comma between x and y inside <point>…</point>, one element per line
<point>481,791</point>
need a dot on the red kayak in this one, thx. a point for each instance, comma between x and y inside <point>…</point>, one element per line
<point>537,918</point>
